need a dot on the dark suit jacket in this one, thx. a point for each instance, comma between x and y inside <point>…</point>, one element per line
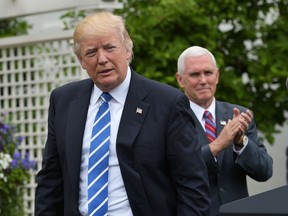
<point>158,152</point>
<point>287,164</point>
<point>227,176</point>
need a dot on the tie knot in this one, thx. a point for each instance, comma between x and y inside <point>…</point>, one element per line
<point>207,114</point>
<point>106,96</point>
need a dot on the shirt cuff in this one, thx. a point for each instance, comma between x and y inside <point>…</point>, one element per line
<point>238,151</point>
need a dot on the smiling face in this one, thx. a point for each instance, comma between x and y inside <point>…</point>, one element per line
<point>199,79</point>
<point>105,59</point>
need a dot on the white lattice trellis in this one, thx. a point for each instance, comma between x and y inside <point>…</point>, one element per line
<point>29,69</point>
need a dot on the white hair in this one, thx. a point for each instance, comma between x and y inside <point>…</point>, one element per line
<point>193,51</point>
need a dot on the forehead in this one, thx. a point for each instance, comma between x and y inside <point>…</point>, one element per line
<point>202,62</point>
<point>99,41</point>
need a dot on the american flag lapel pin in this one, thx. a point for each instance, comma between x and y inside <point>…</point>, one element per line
<point>139,110</point>
<point>222,122</point>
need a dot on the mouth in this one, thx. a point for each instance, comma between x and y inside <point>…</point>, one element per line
<point>105,71</point>
<point>203,89</point>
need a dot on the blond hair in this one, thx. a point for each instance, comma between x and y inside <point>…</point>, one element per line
<point>101,24</point>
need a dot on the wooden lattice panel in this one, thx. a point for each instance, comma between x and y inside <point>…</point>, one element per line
<point>28,73</point>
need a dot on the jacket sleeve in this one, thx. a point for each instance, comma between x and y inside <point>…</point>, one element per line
<point>49,190</point>
<point>254,160</point>
<point>210,161</point>
<point>187,165</point>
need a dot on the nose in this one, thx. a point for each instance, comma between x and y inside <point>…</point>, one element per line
<point>202,78</point>
<point>102,59</point>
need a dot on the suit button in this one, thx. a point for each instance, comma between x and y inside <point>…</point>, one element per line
<point>222,189</point>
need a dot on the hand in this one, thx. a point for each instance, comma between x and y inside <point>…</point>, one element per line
<point>227,135</point>
<point>234,130</point>
<point>244,118</point>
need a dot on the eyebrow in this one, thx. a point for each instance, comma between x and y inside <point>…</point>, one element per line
<point>200,71</point>
<point>90,49</point>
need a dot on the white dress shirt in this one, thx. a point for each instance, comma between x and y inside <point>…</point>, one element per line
<point>199,112</point>
<point>118,203</point>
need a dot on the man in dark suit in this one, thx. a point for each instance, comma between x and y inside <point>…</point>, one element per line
<point>237,150</point>
<point>155,162</point>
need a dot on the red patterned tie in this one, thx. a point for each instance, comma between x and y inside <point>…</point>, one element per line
<point>210,126</point>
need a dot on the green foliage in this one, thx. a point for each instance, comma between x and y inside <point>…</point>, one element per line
<point>13,27</point>
<point>251,52</point>
<point>12,205</point>
<point>70,18</point>
<point>14,171</point>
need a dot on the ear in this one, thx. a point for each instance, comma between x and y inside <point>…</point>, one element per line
<point>217,76</point>
<point>128,54</point>
<point>179,80</point>
<point>81,62</point>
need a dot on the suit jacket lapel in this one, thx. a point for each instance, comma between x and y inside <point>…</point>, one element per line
<point>202,136</point>
<point>132,119</point>
<point>133,115</point>
<point>76,121</point>
<point>221,119</point>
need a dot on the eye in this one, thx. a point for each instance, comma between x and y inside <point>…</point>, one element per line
<point>194,75</point>
<point>110,48</point>
<point>208,73</point>
<point>90,53</point>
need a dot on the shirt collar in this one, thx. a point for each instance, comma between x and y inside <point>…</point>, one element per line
<point>119,93</point>
<point>199,111</point>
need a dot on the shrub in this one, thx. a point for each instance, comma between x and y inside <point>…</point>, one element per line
<point>14,170</point>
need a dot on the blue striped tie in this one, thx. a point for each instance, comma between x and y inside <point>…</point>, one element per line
<point>99,160</point>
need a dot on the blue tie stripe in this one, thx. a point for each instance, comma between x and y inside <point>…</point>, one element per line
<point>100,195</point>
<point>100,200</point>
<point>100,131</point>
<point>105,130</point>
<point>98,178</point>
<point>94,188</point>
<point>99,160</point>
<point>210,126</point>
<point>211,133</point>
<point>99,164</point>
<point>210,122</point>
<point>96,153</point>
<point>101,209</point>
<point>101,121</point>
<point>99,139</point>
